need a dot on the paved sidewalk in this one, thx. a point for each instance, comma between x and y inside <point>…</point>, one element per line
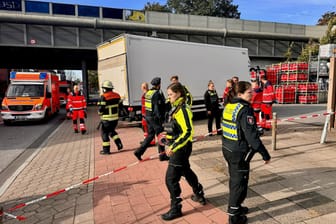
<point>298,186</point>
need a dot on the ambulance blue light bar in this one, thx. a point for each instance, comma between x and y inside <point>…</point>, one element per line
<point>43,75</point>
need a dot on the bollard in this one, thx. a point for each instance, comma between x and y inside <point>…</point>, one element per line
<point>274,130</point>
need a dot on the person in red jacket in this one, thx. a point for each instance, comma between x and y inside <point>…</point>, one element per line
<point>228,87</point>
<point>267,100</point>
<point>144,89</point>
<point>77,105</point>
<point>257,96</point>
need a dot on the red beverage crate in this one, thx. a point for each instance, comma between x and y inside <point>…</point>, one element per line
<point>284,78</point>
<point>285,94</point>
<point>310,98</point>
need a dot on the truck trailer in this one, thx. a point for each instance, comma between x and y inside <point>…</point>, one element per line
<point>128,60</point>
<point>30,96</point>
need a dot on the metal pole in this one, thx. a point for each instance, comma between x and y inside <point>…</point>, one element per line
<point>325,129</point>
<point>274,130</point>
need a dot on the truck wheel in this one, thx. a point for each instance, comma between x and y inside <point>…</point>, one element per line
<point>7,123</point>
<point>47,115</point>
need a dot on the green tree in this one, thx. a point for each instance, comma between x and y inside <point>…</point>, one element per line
<point>155,6</point>
<point>330,36</point>
<point>93,81</point>
<point>312,48</point>
<point>288,55</point>
<point>326,17</point>
<point>218,8</point>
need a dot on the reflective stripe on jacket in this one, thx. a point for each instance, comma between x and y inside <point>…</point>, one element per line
<point>229,122</point>
<point>108,106</point>
<point>181,123</point>
<point>76,101</point>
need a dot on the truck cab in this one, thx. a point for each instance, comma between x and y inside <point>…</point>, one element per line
<point>30,96</point>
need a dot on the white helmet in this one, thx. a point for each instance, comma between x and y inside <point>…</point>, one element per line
<point>107,85</point>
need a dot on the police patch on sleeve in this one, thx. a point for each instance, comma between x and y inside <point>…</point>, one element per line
<point>250,120</point>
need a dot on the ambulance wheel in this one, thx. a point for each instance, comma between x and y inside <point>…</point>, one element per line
<point>7,123</point>
<point>47,115</point>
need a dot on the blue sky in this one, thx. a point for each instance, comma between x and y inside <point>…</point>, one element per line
<point>306,12</point>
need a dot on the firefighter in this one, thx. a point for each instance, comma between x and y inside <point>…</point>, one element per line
<point>213,109</point>
<point>144,89</point>
<point>178,135</point>
<point>268,99</point>
<point>77,107</point>
<point>108,110</point>
<point>257,96</point>
<point>175,79</point>
<point>240,141</point>
<point>155,113</point>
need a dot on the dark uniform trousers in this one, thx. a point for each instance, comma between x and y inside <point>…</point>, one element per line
<point>108,129</point>
<point>238,183</point>
<point>154,128</point>
<point>179,166</point>
<point>215,114</point>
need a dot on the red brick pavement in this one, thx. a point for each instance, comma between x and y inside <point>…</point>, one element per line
<point>138,194</point>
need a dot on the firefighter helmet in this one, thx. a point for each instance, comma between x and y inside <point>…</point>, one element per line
<point>107,85</point>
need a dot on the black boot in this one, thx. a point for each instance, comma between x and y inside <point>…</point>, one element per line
<point>102,152</point>
<point>198,195</point>
<point>237,219</point>
<point>163,157</point>
<point>198,198</point>
<point>137,155</point>
<point>119,144</point>
<point>173,213</point>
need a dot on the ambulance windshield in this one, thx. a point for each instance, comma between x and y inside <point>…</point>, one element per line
<point>30,90</point>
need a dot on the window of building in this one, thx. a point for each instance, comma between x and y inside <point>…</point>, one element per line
<point>40,7</point>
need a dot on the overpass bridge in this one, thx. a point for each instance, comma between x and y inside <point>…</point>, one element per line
<point>50,35</point>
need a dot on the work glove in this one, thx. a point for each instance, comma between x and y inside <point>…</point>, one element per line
<point>70,109</point>
<point>85,113</point>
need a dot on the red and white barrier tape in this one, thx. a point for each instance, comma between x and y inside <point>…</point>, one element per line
<point>306,116</point>
<point>302,117</point>
<point>198,138</point>
<point>19,217</point>
<point>71,187</point>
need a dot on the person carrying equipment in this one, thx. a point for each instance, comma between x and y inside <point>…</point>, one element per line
<point>77,106</point>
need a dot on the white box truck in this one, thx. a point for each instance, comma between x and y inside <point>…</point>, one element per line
<point>128,60</point>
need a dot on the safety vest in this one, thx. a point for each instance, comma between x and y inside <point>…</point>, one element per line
<point>148,99</point>
<point>111,106</point>
<point>229,121</point>
<point>213,97</point>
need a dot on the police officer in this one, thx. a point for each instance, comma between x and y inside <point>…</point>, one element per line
<point>179,133</point>
<point>77,106</point>
<point>189,99</point>
<point>211,101</point>
<point>155,113</point>
<point>240,141</point>
<point>108,110</point>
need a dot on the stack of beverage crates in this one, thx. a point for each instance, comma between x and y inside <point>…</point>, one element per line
<point>292,84</point>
